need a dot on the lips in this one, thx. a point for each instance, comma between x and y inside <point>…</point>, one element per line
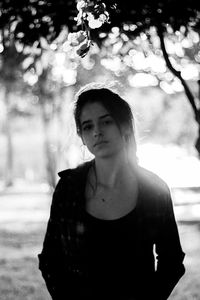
<point>100,143</point>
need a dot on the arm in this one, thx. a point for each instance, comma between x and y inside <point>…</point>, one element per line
<point>52,259</point>
<point>170,256</point>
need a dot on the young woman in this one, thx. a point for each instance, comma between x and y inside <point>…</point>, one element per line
<point>112,232</point>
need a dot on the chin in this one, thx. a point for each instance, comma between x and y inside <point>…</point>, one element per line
<point>105,154</point>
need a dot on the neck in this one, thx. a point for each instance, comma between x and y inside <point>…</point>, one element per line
<point>112,170</point>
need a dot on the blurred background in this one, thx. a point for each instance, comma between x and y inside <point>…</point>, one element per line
<point>39,77</point>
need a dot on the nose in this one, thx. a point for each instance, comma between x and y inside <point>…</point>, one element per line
<point>97,131</point>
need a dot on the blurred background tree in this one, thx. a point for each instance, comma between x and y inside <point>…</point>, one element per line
<point>144,46</point>
<point>11,82</point>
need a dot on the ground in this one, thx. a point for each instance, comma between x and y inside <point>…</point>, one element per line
<point>23,217</point>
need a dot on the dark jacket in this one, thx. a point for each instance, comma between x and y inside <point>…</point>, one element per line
<point>62,259</point>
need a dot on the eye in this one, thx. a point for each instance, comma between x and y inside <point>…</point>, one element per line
<point>107,122</point>
<point>87,127</point>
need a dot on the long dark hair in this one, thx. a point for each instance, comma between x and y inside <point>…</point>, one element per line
<point>117,107</point>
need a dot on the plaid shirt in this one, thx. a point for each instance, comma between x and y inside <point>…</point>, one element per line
<point>62,260</point>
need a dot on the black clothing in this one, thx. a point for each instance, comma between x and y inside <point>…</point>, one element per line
<point>87,258</point>
<point>111,256</point>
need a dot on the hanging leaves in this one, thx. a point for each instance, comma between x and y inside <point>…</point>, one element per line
<point>91,15</point>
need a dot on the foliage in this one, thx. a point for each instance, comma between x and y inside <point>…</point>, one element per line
<point>134,18</point>
<point>46,18</point>
<point>33,19</point>
<point>122,29</point>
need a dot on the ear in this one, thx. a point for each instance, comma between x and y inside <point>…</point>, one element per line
<point>126,134</point>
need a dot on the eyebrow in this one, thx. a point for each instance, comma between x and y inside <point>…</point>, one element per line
<point>101,117</point>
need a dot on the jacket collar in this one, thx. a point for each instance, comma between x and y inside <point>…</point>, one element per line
<point>76,178</point>
<point>78,172</point>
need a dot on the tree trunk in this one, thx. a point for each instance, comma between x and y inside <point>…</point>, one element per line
<point>50,158</point>
<point>186,87</point>
<point>9,142</point>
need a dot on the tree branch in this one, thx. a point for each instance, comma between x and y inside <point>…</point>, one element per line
<point>178,74</point>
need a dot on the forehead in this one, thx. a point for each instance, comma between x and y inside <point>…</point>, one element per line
<point>93,111</point>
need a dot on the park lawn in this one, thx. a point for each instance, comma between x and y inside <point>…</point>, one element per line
<point>20,278</point>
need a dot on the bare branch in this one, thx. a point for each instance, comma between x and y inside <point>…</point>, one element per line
<point>178,74</point>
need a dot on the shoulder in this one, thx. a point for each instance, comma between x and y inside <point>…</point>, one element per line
<point>70,184</point>
<point>152,182</point>
<point>73,176</point>
<point>155,194</point>
<point>77,171</point>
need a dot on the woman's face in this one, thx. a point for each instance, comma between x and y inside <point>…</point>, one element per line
<point>99,131</point>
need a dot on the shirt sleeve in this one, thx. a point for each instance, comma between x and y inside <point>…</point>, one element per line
<point>52,259</point>
<point>169,253</point>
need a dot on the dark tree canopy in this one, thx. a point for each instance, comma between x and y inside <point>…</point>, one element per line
<point>146,13</point>
<point>33,19</point>
<point>45,18</point>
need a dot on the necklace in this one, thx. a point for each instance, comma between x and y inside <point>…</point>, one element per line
<point>95,185</point>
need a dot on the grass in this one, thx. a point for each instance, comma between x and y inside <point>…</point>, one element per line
<point>188,287</point>
<point>20,278</point>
